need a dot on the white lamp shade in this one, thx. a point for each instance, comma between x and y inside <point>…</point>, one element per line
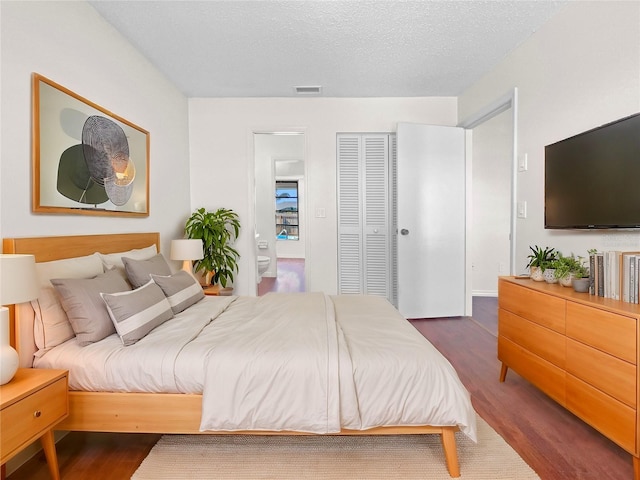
<point>18,279</point>
<point>18,284</point>
<point>186,249</point>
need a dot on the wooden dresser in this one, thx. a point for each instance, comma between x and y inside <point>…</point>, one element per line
<point>580,349</point>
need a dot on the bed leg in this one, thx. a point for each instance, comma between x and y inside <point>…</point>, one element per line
<point>450,453</point>
<point>503,372</point>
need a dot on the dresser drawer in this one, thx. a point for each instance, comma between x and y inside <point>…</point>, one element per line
<point>609,332</point>
<point>613,419</point>
<point>545,310</point>
<point>539,340</point>
<point>544,375</point>
<point>604,372</point>
<point>28,419</point>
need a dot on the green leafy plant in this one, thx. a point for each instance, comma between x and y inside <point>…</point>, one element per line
<point>217,230</point>
<point>581,270</point>
<point>542,258</point>
<point>565,266</point>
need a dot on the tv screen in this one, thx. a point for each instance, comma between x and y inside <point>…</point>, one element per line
<point>592,180</point>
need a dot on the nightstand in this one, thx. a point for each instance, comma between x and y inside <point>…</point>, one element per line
<point>212,290</point>
<point>32,403</point>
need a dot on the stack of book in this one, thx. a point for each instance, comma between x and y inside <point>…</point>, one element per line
<point>616,275</point>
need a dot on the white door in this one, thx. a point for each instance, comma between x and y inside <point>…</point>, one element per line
<point>431,221</point>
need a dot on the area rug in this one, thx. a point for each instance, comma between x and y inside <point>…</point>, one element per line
<point>404,457</point>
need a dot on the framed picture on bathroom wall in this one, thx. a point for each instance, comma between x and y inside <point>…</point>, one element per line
<point>86,160</point>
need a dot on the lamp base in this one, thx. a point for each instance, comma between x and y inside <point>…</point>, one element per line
<point>8,355</point>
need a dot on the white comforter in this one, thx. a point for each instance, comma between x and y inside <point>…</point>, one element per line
<point>297,362</point>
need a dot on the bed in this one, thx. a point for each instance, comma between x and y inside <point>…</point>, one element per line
<point>343,384</point>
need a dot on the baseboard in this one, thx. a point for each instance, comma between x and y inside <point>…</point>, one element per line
<point>29,452</point>
<point>484,293</point>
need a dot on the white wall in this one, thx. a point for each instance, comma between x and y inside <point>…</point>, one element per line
<point>69,43</point>
<point>221,136</point>
<point>578,71</point>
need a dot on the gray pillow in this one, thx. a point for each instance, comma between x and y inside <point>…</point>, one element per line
<point>87,313</point>
<point>181,289</point>
<point>139,271</point>
<point>136,312</point>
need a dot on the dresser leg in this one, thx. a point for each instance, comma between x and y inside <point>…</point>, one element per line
<point>636,468</point>
<point>49,447</point>
<point>503,372</point>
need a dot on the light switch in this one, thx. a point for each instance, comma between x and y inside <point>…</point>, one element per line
<point>522,209</point>
<point>320,213</point>
<point>522,162</point>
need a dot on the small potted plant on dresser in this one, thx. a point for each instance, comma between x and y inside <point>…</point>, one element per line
<point>217,230</point>
<point>566,268</point>
<point>539,260</point>
<point>581,279</point>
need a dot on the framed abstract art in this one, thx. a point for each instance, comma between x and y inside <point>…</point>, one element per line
<point>86,160</point>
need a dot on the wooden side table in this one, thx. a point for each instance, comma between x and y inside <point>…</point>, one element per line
<point>212,290</point>
<point>32,403</point>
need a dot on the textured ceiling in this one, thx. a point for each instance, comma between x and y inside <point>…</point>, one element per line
<point>350,48</point>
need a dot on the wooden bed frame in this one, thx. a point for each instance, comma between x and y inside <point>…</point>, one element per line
<point>147,412</point>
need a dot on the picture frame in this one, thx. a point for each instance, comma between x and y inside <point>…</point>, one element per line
<point>85,159</point>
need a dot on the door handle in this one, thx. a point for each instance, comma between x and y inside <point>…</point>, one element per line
<point>404,231</point>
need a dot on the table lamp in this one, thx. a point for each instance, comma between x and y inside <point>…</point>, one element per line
<point>187,250</point>
<point>18,283</point>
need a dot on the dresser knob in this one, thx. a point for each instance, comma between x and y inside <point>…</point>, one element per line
<point>37,414</point>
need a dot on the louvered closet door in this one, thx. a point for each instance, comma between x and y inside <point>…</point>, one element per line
<point>376,251</point>
<point>350,271</point>
<point>364,218</point>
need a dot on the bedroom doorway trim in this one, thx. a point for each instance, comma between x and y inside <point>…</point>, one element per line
<point>489,111</point>
<point>262,177</point>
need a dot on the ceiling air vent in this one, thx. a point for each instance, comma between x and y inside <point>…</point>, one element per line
<point>308,90</point>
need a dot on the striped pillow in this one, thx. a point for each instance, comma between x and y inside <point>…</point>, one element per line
<point>136,312</point>
<point>181,289</point>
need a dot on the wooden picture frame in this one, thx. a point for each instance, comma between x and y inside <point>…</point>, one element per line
<point>86,160</point>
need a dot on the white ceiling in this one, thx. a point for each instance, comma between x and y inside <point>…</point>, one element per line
<point>355,48</point>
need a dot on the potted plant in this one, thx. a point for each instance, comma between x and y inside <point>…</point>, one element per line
<point>539,260</point>
<point>581,279</point>
<point>217,230</point>
<point>566,268</point>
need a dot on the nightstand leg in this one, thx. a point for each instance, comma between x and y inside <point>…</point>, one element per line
<point>49,447</point>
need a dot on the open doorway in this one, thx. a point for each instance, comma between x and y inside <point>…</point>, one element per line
<point>280,211</point>
<point>492,221</point>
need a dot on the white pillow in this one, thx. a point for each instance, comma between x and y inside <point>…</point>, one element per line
<point>110,260</point>
<point>51,326</point>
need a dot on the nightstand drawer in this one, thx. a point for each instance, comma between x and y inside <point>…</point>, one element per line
<point>28,419</point>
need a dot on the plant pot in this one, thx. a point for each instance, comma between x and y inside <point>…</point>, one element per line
<point>567,280</point>
<point>550,275</point>
<point>581,284</point>
<point>536,274</point>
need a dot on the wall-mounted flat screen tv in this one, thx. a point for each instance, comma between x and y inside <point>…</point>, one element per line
<point>592,180</point>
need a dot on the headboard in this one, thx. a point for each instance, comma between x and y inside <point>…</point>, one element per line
<point>46,249</point>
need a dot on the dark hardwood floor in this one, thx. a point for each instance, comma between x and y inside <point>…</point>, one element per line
<point>556,444</point>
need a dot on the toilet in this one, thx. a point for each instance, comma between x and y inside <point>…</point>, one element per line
<point>263,265</point>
